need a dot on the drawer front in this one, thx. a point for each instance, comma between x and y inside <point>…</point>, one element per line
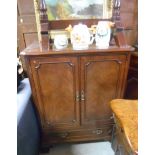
<point>79,135</point>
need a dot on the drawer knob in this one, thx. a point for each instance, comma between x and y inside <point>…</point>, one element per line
<point>64,135</point>
<point>48,124</point>
<point>73,120</point>
<point>98,131</point>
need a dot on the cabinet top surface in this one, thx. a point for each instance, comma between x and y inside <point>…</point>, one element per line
<point>34,49</point>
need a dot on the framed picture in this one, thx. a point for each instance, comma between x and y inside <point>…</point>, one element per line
<point>79,9</point>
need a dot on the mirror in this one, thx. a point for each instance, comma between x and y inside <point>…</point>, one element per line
<point>79,9</point>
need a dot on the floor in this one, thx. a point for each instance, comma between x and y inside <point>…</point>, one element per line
<point>95,148</point>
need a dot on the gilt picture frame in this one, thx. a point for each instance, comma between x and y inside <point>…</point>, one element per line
<point>79,9</point>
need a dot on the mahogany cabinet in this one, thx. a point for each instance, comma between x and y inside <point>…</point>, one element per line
<point>72,91</point>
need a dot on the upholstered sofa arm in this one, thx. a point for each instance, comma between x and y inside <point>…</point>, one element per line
<point>28,136</point>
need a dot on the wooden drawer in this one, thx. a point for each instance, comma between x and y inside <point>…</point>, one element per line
<point>79,135</point>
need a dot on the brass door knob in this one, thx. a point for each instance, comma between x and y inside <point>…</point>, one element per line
<point>82,96</point>
<point>77,97</point>
<point>98,131</point>
<point>48,123</point>
<point>73,120</point>
<point>64,135</point>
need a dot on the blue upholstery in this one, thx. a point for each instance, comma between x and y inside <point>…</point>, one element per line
<point>28,135</point>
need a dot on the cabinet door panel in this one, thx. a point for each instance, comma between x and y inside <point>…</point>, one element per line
<point>56,83</point>
<point>101,82</point>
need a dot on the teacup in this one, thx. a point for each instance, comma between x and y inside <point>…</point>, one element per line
<point>60,41</point>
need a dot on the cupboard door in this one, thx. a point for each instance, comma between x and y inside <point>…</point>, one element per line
<point>56,86</point>
<point>102,79</point>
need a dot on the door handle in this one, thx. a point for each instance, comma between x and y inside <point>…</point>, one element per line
<point>82,96</point>
<point>77,97</point>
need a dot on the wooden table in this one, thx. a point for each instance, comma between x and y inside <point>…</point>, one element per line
<point>126,119</point>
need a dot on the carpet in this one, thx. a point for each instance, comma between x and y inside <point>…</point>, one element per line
<point>95,148</point>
